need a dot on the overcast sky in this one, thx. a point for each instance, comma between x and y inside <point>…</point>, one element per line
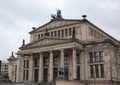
<point>17,17</point>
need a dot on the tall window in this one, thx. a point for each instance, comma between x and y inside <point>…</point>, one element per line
<point>39,36</point>
<point>78,59</point>
<point>45,61</point>
<point>58,33</point>
<point>55,33</point>
<point>26,63</point>
<point>45,74</point>
<point>55,73</point>
<point>101,56</point>
<point>66,60</point>
<point>36,75</point>
<point>102,70</point>
<point>51,34</point>
<point>78,72</point>
<point>70,31</point>
<point>55,60</point>
<point>36,62</point>
<point>62,33</point>
<point>96,56</point>
<point>66,32</point>
<point>27,74</point>
<point>97,71</point>
<point>92,71</point>
<point>66,72</point>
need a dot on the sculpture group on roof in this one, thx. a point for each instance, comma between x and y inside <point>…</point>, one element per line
<point>57,15</point>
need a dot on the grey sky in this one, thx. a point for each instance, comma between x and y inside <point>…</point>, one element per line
<point>17,17</point>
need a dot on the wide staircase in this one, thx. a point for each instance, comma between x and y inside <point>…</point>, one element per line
<point>47,83</point>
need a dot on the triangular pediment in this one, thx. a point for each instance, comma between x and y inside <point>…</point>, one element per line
<point>55,24</point>
<point>45,42</point>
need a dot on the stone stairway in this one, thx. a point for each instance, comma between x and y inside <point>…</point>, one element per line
<point>47,83</point>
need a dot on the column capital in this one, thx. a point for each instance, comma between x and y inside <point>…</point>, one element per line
<point>51,51</point>
<point>62,49</point>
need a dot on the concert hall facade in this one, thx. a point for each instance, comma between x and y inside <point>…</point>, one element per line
<point>88,55</point>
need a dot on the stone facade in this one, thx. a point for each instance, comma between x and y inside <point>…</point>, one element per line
<point>87,54</point>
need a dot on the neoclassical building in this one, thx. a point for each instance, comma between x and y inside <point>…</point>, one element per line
<point>88,55</point>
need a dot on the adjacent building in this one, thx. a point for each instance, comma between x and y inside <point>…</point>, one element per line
<point>87,54</point>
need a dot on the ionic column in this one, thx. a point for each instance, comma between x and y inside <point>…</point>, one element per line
<point>62,58</point>
<point>41,68</point>
<point>74,64</point>
<point>50,73</point>
<point>99,70</point>
<point>31,68</point>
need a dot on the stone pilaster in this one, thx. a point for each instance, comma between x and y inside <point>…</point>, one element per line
<point>22,69</point>
<point>99,70</point>
<point>41,68</point>
<point>18,70</point>
<point>62,58</point>
<point>50,73</point>
<point>74,64</point>
<point>31,69</point>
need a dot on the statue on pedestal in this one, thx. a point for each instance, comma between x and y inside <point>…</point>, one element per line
<point>61,73</point>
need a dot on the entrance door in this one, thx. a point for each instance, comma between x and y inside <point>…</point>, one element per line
<point>36,75</point>
<point>45,76</point>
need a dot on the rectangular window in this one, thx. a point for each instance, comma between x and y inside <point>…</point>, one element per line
<point>66,60</point>
<point>92,71</point>
<point>55,33</point>
<point>66,71</point>
<point>24,63</point>
<point>38,36</point>
<point>102,70</point>
<point>41,35</point>
<point>96,56</point>
<point>36,62</point>
<point>55,73</point>
<point>36,75</point>
<point>78,59</point>
<point>55,60</point>
<point>70,32</point>
<point>27,63</point>
<point>101,56</point>
<point>62,33</point>
<point>74,31</point>
<point>97,71</point>
<point>58,33</point>
<point>27,75</point>
<point>24,75</point>
<point>51,34</point>
<point>45,74</point>
<point>45,61</point>
<point>66,32</point>
<point>78,72</point>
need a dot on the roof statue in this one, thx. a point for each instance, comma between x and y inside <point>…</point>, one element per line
<point>46,34</point>
<point>12,56</point>
<point>57,15</point>
<point>23,43</point>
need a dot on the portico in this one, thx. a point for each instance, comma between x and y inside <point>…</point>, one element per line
<point>44,64</point>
